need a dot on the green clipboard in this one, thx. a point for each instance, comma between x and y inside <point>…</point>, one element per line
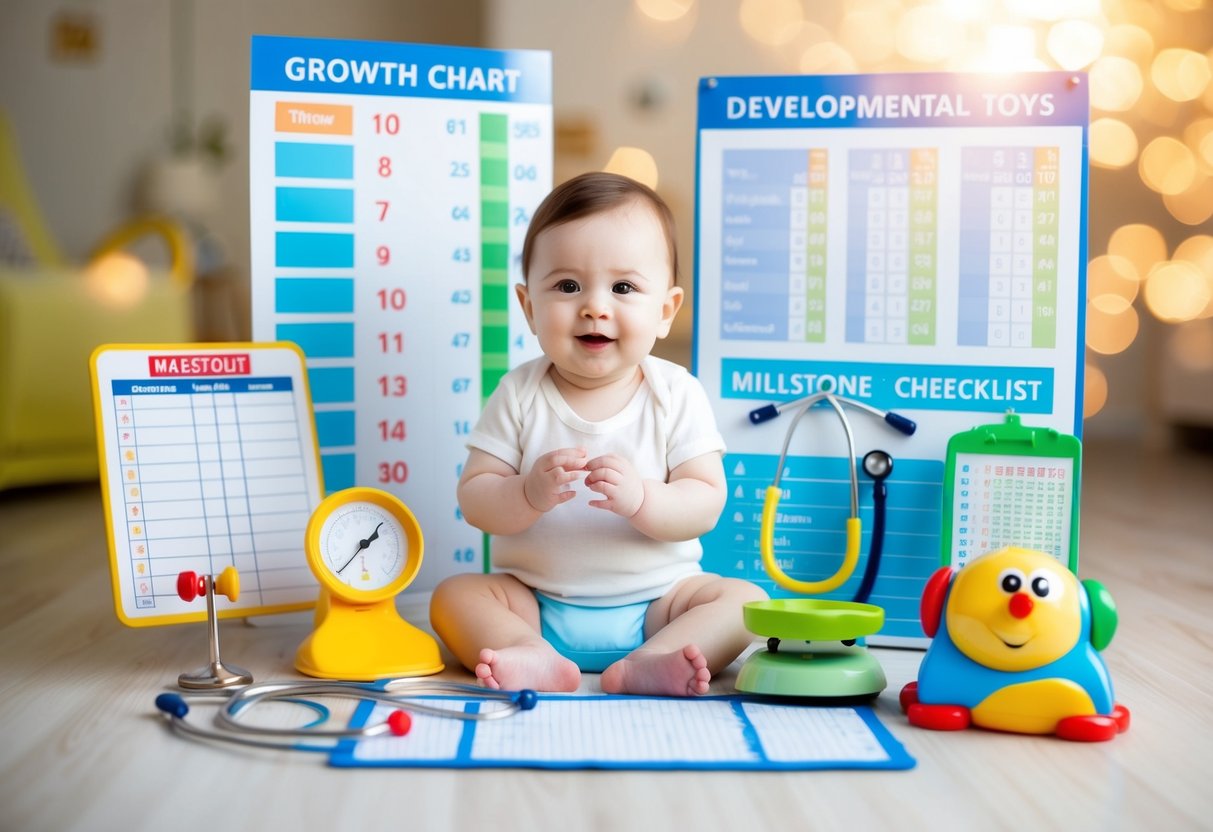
<point>1011,485</point>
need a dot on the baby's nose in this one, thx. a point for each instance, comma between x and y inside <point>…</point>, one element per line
<point>595,305</point>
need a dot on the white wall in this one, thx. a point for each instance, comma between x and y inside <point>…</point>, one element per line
<point>86,129</point>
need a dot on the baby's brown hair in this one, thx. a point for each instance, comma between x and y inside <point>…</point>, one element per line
<point>594,193</point>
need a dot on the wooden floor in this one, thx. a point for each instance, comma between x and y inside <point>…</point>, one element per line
<point>82,749</point>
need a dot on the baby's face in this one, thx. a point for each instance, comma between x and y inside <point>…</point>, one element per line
<point>599,293</point>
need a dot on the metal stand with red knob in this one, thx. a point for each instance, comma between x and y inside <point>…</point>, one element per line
<point>216,675</point>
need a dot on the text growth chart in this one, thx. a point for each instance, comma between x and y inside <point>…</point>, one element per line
<point>391,189</point>
<point>915,242</point>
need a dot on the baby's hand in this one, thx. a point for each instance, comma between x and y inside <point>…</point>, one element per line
<point>544,487</point>
<point>617,480</point>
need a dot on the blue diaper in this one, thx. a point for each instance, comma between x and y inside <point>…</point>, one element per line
<point>592,637</point>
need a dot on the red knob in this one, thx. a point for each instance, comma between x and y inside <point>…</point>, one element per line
<point>1021,605</point>
<point>399,722</point>
<point>190,585</point>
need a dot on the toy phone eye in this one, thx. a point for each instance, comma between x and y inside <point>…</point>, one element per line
<point>1043,585</point>
<point>1011,580</point>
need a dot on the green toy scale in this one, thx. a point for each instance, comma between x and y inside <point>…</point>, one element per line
<point>833,667</point>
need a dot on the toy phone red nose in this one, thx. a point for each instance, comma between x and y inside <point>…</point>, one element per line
<point>1021,605</point>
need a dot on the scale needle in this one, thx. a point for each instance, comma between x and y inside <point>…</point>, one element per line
<point>362,544</point>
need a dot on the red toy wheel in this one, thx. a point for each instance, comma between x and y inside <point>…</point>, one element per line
<point>1093,728</point>
<point>939,717</point>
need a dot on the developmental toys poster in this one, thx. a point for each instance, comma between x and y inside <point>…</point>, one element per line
<point>391,187</point>
<point>916,241</point>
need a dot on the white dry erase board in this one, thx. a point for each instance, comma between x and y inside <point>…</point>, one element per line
<point>391,187</point>
<point>919,242</point>
<point>208,460</point>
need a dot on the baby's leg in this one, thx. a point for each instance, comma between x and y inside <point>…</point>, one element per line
<point>491,624</point>
<point>693,632</point>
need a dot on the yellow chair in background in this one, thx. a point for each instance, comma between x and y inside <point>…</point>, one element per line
<point>52,316</point>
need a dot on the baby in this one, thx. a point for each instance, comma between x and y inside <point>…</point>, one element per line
<point>596,468</point>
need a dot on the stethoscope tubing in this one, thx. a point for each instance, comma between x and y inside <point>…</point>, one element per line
<point>853,525</point>
<point>399,692</point>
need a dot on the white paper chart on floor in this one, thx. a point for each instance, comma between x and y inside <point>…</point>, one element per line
<point>391,187</point>
<point>917,241</point>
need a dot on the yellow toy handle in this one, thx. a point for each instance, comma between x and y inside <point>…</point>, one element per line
<point>767,546</point>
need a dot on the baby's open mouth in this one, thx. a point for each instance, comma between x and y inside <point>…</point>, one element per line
<point>594,338</point>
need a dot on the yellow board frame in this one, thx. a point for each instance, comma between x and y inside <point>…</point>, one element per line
<point>274,359</point>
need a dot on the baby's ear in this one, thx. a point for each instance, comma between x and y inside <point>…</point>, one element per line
<point>524,299</point>
<point>669,309</point>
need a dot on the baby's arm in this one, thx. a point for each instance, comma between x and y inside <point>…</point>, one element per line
<point>685,507</point>
<point>497,499</point>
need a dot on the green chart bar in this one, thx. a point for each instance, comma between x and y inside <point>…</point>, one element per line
<point>816,235</point>
<point>494,250</point>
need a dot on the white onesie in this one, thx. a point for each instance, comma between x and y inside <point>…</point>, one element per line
<point>576,552</point>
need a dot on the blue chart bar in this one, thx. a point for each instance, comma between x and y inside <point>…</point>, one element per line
<point>313,294</point>
<point>314,205</point>
<point>313,250</point>
<point>320,340</point>
<point>335,428</point>
<point>338,471</point>
<point>331,385</point>
<point>973,307</point>
<point>314,161</point>
<point>755,249</point>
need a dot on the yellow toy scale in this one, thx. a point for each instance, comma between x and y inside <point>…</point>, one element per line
<point>364,546</point>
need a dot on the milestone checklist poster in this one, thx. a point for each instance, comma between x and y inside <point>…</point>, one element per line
<point>391,187</point>
<point>916,242</point>
<point>208,460</point>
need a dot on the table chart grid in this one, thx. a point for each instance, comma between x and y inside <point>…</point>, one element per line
<point>212,476</point>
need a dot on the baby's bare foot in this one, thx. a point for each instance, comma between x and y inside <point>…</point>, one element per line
<point>527,666</point>
<point>681,673</point>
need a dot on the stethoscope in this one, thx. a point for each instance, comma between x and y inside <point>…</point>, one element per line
<point>877,464</point>
<point>400,692</point>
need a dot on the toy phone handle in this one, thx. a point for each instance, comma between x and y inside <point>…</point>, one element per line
<point>767,547</point>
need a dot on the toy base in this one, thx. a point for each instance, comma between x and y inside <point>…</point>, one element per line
<point>215,676</point>
<point>840,673</point>
<point>365,642</point>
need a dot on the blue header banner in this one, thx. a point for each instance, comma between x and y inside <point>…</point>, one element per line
<point>983,389</point>
<point>400,69</point>
<point>192,386</point>
<point>926,99</point>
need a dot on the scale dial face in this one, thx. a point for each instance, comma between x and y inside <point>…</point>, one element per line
<point>363,544</point>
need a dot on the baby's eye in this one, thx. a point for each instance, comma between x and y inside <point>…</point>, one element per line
<point>568,287</point>
<point>623,288</point>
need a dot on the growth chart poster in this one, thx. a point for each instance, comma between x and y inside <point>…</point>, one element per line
<point>915,242</point>
<point>391,187</point>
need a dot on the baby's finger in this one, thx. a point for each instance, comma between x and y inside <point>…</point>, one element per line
<point>604,461</point>
<point>603,475</point>
<point>567,458</point>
